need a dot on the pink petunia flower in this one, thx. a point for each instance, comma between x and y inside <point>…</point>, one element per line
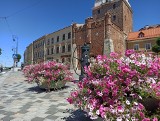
<point>129,52</point>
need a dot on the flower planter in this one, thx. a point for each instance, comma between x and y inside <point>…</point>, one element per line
<point>150,104</point>
<point>52,85</point>
<point>48,75</point>
<point>114,86</point>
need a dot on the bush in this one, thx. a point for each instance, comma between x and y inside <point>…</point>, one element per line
<point>156,49</point>
<point>158,41</point>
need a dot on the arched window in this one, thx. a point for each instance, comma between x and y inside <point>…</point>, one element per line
<point>63,49</point>
<point>114,17</point>
<point>57,50</point>
<point>114,6</point>
<point>52,51</point>
<point>69,47</point>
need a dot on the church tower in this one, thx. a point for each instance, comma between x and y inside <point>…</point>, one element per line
<point>120,11</point>
<point>107,29</point>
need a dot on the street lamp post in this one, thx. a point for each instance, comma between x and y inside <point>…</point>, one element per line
<point>15,39</point>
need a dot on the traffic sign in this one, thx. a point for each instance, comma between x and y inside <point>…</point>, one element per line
<point>14,56</point>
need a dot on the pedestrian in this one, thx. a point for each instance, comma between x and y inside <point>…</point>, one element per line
<point>22,65</point>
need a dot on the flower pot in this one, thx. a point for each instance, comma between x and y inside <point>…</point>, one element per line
<point>52,85</point>
<point>150,104</point>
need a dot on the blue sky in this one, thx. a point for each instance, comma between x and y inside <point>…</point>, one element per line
<point>31,19</point>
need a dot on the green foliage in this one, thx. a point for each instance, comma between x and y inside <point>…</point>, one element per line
<point>0,51</point>
<point>18,57</point>
<point>158,41</point>
<point>156,49</point>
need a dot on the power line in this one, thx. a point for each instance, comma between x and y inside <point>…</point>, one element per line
<point>21,10</point>
<point>5,18</point>
<point>8,26</point>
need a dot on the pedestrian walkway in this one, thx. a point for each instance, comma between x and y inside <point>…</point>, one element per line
<point>20,101</point>
<point>3,76</point>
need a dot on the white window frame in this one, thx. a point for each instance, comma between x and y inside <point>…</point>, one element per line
<point>136,46</point>
<point>146,46</point>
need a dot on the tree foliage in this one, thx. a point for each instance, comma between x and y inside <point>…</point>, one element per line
<point>0,51</point>
<point>158,41</point>
<point>18,57</point>
<point>156,48</point>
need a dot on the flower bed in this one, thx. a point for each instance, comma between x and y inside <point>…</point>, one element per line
<point>116,88</point>
<point>49,75</point>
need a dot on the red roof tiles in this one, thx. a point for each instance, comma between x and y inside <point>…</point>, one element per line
<point>147,33</point>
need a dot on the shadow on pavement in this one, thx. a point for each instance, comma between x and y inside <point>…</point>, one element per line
<point>36,89</point>
<point>77,115</point>
<point>40,90</point>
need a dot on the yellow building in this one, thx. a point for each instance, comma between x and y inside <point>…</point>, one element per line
<point>39,50</point>
<point>58,45</point>
<point>144,39</point>
<point>28,55</point>
<point>54,46</point>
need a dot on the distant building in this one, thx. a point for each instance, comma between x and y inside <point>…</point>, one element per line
<point>28,55</point>
<point>144,39</point>
<point>59,45</point>
<point>39,50</point>
<point>54,46</point>
<point>25,56</point>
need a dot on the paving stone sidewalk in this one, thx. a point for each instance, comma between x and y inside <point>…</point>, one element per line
<point>20,101</point>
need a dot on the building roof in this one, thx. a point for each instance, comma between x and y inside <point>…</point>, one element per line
<point>148,27</point>
<point>149,32</point>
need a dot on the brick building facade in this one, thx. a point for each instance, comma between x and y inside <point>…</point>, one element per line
<point>107,29</point>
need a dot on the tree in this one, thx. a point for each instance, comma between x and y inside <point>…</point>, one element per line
<point>0,51</point>
<point>156,48</point>
<point>18,57</point>
<point>158,41</point>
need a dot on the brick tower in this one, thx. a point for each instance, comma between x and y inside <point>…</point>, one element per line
<point>120,11</point>
<point>107,29</point>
